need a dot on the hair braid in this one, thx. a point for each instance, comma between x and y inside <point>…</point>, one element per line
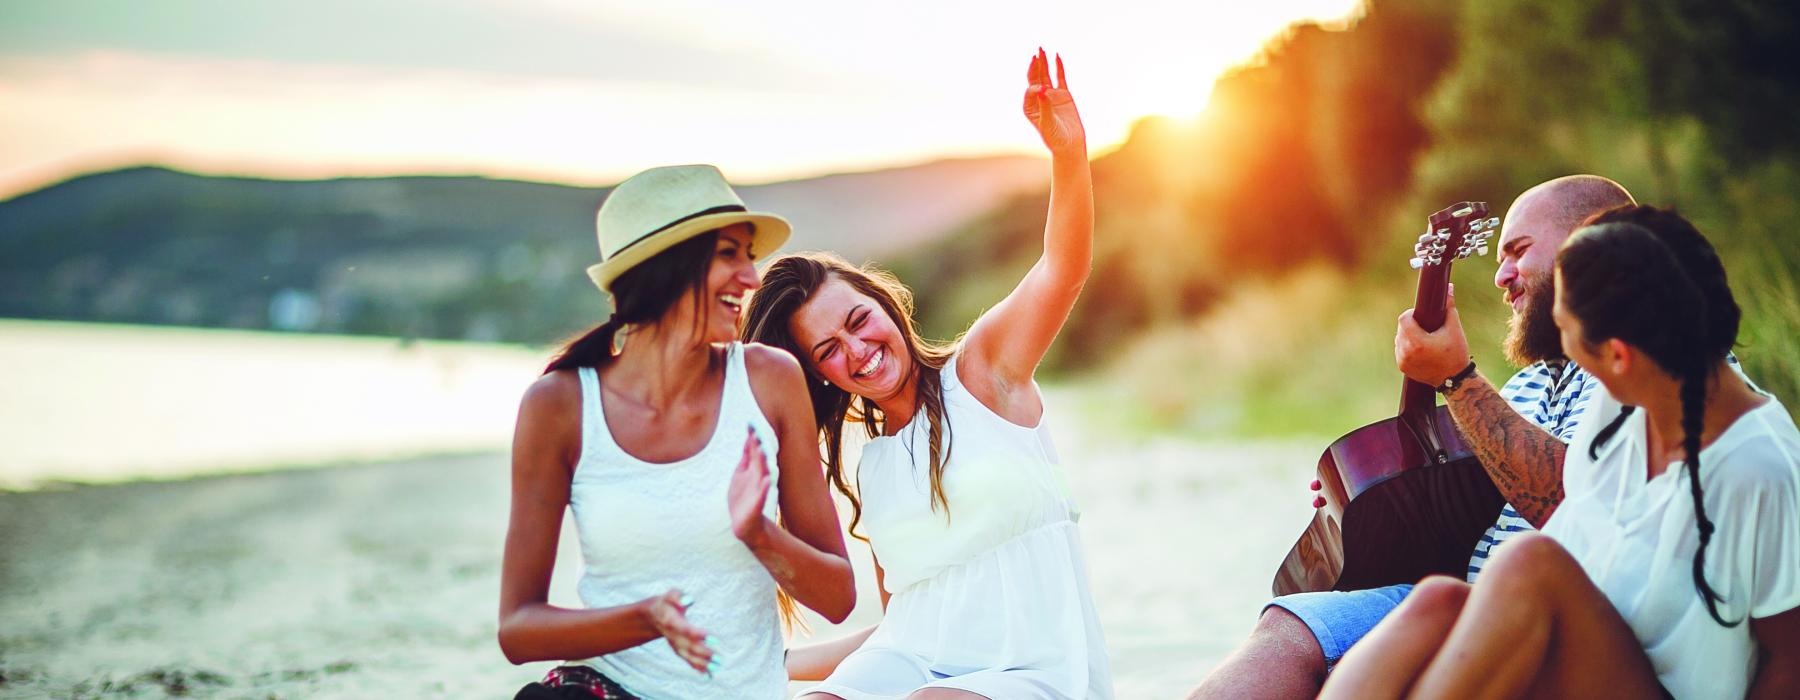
<point>1648,277</point>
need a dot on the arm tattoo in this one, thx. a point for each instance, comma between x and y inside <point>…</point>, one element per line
<point>1524,460</point>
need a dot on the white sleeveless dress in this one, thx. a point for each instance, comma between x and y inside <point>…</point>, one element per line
<point>646,528</point>
<point>994,598</point>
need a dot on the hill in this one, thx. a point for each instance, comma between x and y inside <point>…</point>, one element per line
<point>439,257</point>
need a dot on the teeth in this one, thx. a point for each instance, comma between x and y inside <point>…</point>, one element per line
<point>868,368</point>
<point>734,301</point>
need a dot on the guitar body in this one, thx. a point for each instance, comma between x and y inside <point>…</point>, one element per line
<point>1393,512</point>
<point>1404,497</point>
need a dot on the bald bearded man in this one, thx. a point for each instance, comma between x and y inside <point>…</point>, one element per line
<point>1519,431</point>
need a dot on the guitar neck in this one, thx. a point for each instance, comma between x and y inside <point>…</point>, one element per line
<point>1429,308</point>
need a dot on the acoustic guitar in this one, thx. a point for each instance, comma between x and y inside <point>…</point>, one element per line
<point>1404,497</point>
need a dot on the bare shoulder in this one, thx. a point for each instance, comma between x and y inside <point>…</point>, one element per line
<point>550,411</point>
<point>555,392</point>
<point>1012,399</point>
<point>777,381</point>
<point>771,366</point>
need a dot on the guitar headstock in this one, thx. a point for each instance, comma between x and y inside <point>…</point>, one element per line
<point>1455,232</point>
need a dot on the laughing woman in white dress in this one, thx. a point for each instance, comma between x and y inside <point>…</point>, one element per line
<point>983,583</point>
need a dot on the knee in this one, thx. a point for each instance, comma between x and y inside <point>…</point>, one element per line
<point>1530,568</point>
<point>1280,636</point>
<point>1280,659</point>
<point>1530,557</point>
<point>1436,598</point>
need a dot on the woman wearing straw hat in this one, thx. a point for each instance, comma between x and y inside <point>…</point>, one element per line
<point>676,452</point>
<point>983,585</point>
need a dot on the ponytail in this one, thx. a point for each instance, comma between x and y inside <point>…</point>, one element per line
<point>590,349</point>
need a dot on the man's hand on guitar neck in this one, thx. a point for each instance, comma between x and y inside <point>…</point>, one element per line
<point>1430,357</point>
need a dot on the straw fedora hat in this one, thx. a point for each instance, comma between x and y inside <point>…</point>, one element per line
<point>660,207</point>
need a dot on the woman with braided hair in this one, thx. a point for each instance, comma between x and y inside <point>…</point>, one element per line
<point>1680,520</point>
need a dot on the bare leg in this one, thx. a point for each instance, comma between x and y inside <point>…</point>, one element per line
<point>1536,624</point>
<point>1385,663</point>
<point>1281,659</point>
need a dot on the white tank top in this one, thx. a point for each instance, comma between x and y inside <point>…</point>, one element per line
<point>646,528</point>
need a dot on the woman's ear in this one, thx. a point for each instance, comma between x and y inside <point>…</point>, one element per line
<point>1618,356</point>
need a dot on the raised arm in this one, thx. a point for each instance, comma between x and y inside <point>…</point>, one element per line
<point>546,442</point>
<point>1003,348</point>
<point>806,553</point>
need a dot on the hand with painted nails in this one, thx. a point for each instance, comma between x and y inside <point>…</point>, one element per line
<point>1051,107</point>
<point>748,492</point>
<point>668,614</point>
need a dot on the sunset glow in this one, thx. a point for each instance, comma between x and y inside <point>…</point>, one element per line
<point>584,92</point>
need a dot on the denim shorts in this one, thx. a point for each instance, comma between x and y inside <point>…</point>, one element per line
<point>1339,619</point>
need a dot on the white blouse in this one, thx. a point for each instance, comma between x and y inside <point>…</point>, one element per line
<point>1636,538</point>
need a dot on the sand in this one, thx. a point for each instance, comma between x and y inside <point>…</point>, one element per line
<point>381,580</point>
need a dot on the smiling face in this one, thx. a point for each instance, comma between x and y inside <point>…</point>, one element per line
<point>1534,229</point>
<point>849,339</point>
<point>730,277</point>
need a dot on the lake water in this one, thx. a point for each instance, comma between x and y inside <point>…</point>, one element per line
<point>91,402</point>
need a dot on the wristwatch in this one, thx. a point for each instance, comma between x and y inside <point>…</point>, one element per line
<point>1457,379</point>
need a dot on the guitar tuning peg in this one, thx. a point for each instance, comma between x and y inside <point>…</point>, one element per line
<point>1416,263</point>
<point>1482,250</point>
<point>1493,222</point>
<point>1443,234</point>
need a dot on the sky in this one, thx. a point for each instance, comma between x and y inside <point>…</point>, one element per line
<point>586,91</point>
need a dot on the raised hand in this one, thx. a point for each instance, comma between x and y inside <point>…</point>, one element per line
<point>668,613</point>
<point>748,492</point>
<point>1051,108</point>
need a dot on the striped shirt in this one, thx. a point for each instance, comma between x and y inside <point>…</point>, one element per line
<point>1558,396</point>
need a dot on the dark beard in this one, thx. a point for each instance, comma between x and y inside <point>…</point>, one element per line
<point>1531,334</point>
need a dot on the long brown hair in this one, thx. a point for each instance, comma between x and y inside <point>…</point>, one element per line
<point>1648,277</point>
<point>643,294</point>
<point>787,284</point>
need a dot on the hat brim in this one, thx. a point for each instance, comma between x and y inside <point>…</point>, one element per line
<point>771,232</point>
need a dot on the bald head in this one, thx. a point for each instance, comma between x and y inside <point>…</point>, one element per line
<point>1550,211</point>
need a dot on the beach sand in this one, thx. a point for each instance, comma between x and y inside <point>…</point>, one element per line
<point>380,580</point>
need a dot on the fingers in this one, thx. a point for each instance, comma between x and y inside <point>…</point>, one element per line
<point>687,640</point>
<point>1062,79</point>
<point>754,456</point>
